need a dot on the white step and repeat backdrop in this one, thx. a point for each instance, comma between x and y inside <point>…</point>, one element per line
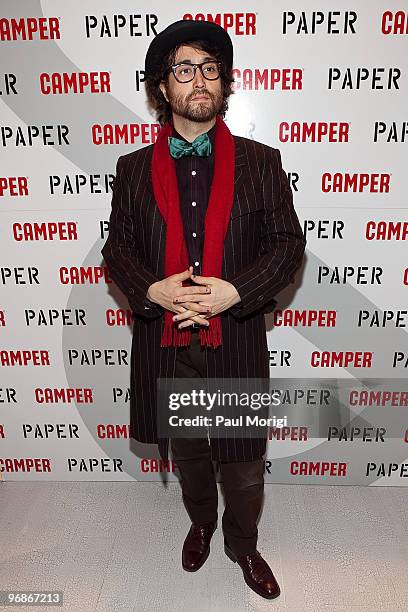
<point>326,84</point>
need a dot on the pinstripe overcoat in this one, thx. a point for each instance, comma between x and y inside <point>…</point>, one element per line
<point>263,248</point>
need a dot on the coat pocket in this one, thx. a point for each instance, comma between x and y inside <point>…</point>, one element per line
<point>246,209</point>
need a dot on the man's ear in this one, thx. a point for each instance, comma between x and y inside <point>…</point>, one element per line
<point>163,90</point>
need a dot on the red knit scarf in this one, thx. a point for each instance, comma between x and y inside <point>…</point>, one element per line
<point>217,217</point>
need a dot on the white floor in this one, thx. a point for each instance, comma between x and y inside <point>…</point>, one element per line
<point>117,546</point>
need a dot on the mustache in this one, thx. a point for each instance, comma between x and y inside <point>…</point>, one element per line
<point>201,93</point>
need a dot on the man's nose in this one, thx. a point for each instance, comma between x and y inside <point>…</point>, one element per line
<point>198,80</point>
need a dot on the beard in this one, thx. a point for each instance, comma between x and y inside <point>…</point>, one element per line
<point>200,111</point>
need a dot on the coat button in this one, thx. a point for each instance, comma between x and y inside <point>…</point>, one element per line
<point>260,298</point>
<point>131,291</point>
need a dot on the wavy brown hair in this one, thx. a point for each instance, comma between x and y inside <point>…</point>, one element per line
<point>158,102</point>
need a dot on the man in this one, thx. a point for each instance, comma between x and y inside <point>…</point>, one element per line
<point>203,234</point>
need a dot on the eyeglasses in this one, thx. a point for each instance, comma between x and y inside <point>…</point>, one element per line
<point>184,73</point>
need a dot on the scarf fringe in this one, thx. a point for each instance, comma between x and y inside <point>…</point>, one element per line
<point>213,335</point>
<point>172,336</point>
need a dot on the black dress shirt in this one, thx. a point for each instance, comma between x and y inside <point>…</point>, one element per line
<point>194,178</point>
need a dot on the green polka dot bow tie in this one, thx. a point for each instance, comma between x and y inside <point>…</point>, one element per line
<point>201,146</point>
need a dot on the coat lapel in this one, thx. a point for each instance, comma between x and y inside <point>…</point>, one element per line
<point>239,175</point>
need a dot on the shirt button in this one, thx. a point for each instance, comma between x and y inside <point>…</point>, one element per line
<point>193,172</point>
<point>194,235</point>
<point>196,263</point>
<point>193,203</point>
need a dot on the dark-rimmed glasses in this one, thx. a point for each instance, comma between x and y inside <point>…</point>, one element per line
<point>184,73</point>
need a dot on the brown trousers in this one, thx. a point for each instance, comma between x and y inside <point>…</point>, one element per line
<point>243,481</point>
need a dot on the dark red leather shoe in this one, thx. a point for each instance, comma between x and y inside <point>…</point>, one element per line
<point>196,547</point>
<point>257,573</point>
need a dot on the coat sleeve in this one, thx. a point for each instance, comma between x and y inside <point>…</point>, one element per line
<point>282,244</point>
<point>121,253</point>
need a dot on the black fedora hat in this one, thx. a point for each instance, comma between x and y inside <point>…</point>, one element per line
<point>183,31</point>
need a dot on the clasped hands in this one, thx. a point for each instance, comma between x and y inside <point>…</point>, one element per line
<point>194,303</point>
